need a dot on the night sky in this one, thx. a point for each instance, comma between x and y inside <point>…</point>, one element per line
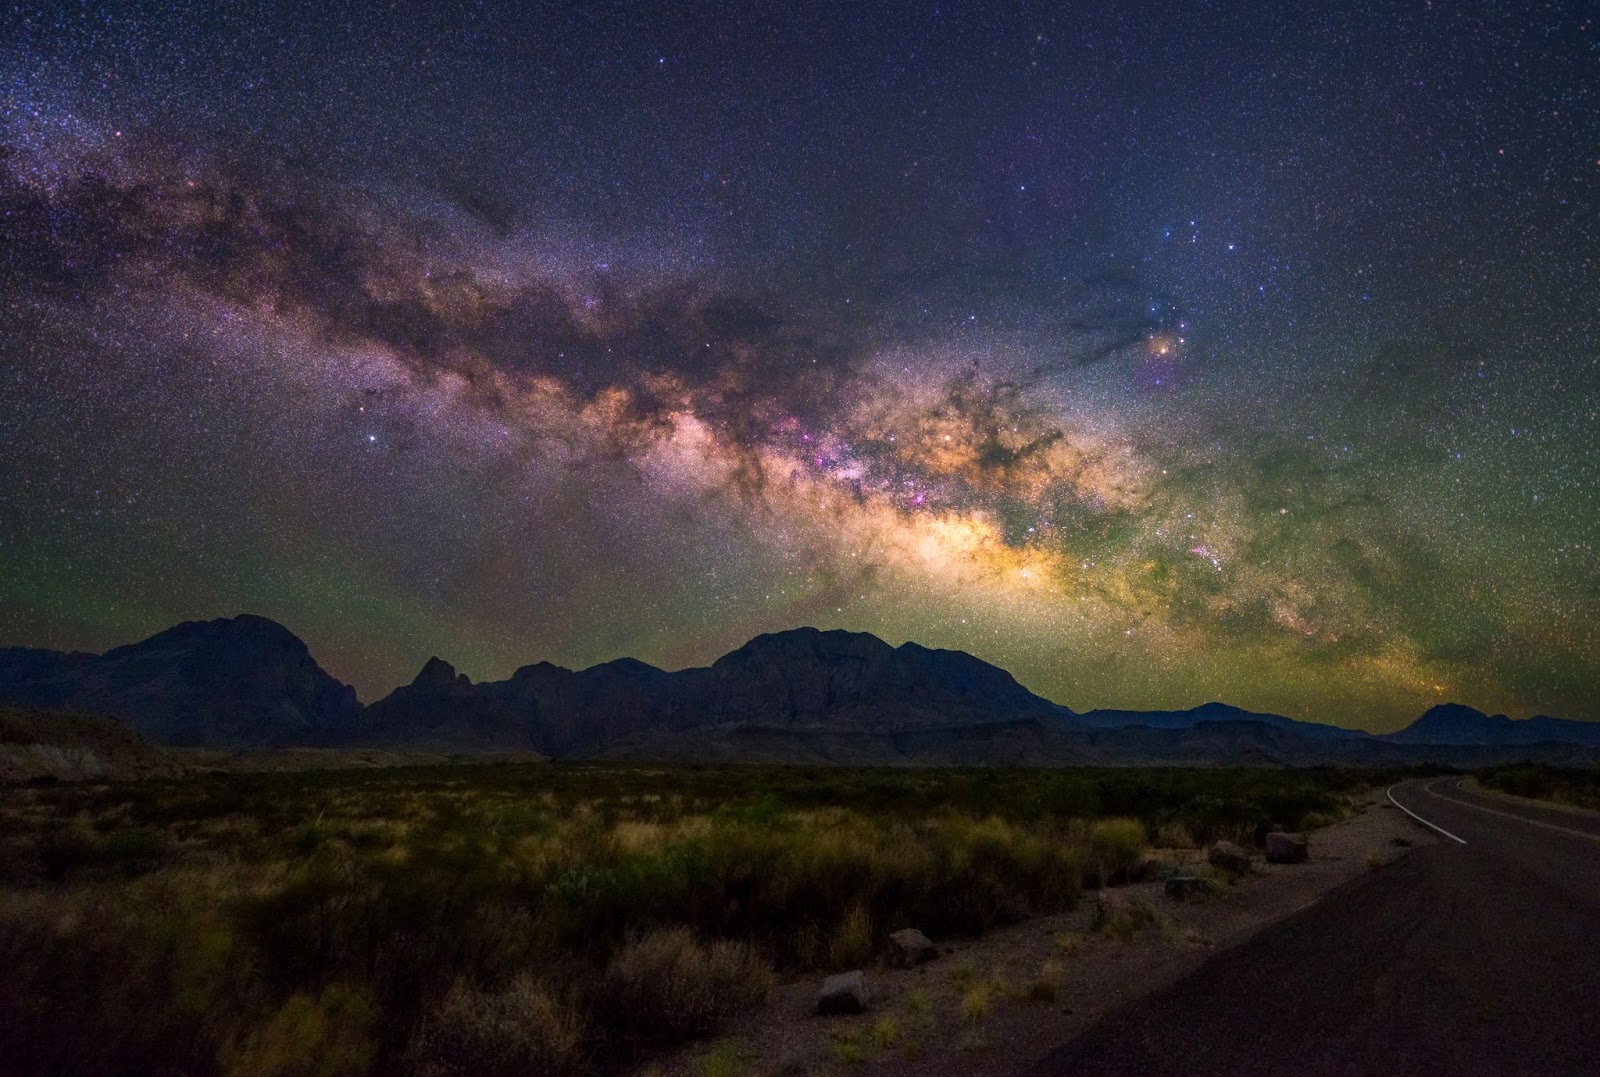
<point>1156,352</point>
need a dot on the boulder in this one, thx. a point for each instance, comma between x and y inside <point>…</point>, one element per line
<point>910,947</point>
<point>1286,848</point>
<point>1229,857</point>
<point>844,993</point>
<point>1192,887</point>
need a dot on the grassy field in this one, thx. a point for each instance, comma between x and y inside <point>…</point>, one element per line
<point>1562,785</point>
<point>533,918</point>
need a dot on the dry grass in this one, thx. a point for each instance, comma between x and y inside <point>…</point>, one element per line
<point>1067,942</point>
<point>1046,985</point>
<point>666,986</point>
<point>564,918</point>
<point>520,1029</point>
<point>975,1003</point>
<point>852,943</point>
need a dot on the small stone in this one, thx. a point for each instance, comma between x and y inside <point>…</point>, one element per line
<point>1286,848</point>
<point>843,993</point>
<point>909,948</point>
<point>1229,857</point>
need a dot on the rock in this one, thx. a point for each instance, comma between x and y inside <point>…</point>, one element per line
<point>1285,848</point>
<point>1192,887</point>
<point>910,947</point>
<point>1229,857</point>
<point>844,993</point>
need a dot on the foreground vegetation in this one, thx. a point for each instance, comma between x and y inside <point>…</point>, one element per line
<point>529,919</point>
<point>1562,785</point>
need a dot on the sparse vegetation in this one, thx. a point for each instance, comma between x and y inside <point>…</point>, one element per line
<point>529,918</point>
<point>1561,785</point>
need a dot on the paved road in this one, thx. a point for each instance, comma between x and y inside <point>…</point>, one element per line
<point>1475,958</point>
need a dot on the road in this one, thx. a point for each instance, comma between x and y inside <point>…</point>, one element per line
<point>1475,958</point>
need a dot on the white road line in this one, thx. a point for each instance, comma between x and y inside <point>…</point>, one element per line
<point>1390,794</point>
<point>1490,811</point>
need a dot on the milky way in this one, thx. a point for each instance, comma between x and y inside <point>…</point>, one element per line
<point>1156,356</point>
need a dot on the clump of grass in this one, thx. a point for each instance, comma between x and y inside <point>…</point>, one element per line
<point>523,1028</point>
<point>852,942</point>
<point>1045,987</point>
<point>848,1046</point>
<point>885,1032</point>
<point>918,1005</point>
<point>1067,942</point>
<point>1124,924</point>
<point>726,1059</point>
<point>961,974</point>
<point>666,986</point>
<point>975,1003</point>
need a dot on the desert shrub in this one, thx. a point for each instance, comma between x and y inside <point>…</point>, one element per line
<point>325,1036</point>
<point>109,983</point>
<point>665,986</point>
<point>520,1030</point>
<point>1115,845</point>
<point>1174,835</point>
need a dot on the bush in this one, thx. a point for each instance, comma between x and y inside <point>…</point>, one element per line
<point>1116,845</point>
<point>327,1036</point>
<point>522,1030</point>
<point>666,987</point>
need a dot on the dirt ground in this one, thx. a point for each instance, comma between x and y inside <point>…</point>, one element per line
<point>996,1004</point>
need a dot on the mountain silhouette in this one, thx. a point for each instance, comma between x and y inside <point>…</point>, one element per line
<point>235,682</point>
<point>801,695</point>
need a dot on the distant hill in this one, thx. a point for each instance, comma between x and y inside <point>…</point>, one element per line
<point>1451,723</point>
<point>803,695</point>
<point>237,682</point>
<point>1211,712</point>
<point>71,747</point>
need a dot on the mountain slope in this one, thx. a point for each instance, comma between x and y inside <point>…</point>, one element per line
<point>234,682</point>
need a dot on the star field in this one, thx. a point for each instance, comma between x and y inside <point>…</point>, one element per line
<point>1158,353</point>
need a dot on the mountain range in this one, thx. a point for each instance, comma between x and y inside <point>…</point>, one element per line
<point>788,697</point>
